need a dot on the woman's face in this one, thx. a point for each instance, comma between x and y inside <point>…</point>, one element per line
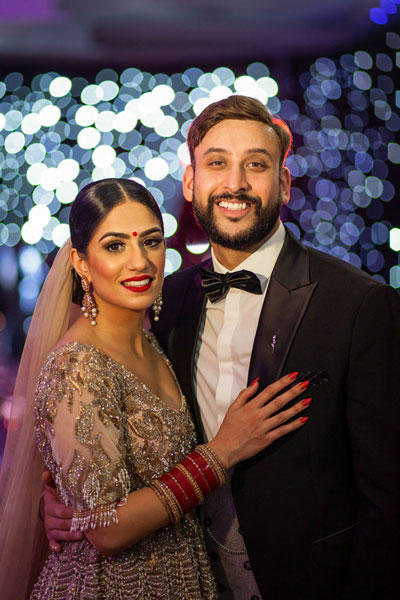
<point>125,258</point>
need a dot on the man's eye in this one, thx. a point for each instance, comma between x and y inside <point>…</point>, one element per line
<point>256,163</point>
<point>216,163</point>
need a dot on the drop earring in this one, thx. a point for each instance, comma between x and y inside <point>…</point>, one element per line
<point>89,307</point>
<point>158,302</point>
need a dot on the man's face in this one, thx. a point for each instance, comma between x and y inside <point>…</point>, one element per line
<point>237,186</point>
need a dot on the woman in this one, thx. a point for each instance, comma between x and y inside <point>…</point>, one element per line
<point>110,420</point>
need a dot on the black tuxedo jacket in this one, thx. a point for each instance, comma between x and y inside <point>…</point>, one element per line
<point>319,509</point>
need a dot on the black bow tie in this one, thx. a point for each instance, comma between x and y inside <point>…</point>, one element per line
<point>216,285</point>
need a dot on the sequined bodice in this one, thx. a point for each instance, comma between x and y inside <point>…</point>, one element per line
<point>102,434</point>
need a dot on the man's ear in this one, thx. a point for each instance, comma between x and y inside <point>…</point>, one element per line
<point>79,264</point>
<point>285,181</point>
<point>188,181</point>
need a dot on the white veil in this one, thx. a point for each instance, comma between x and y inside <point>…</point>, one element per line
<point>23,545</point>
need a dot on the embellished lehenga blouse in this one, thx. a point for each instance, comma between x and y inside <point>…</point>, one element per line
<point>103,434</point>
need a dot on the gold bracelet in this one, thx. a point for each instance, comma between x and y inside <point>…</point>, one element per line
<point>218,468</point>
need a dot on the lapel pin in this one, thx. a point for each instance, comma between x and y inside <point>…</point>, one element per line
<point>274,342</point>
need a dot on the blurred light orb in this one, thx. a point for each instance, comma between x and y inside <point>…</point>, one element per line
<point>67,191</point>
<point>170,224</point>
<point>68,169</point>
<point>86,115</point>
<point>105,121</point>
<point>110,90</point>
<point>156,169</point>
<point>395,277</point>
<point>163,94</point>
<point>39,215</point>
<point>60,234</point>
<point>60,86</point>
<point>173,261</point>
<point>103,156</point>
<point>394,239</point>
<point>31,124</point>
<point>14,142</point>
<point>124,122</point>
<point>35,172</point>
<point>88,138</point>
<point>49,115</point>
<point>362,80</point>
<point>167,127</point>
<point>31,233</point>
<point>198,248</point>
<point>92,94</point>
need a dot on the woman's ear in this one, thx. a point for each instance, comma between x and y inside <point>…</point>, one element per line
<point>79,264</point>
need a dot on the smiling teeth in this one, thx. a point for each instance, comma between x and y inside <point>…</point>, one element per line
<point>140,283</point>
<point>233,205</point>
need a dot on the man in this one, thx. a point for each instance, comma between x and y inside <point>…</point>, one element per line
<point>319,510</point>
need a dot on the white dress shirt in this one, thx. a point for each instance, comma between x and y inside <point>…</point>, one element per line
<point>227,335</point>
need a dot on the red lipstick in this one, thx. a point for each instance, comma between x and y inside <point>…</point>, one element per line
<point>141,283</point>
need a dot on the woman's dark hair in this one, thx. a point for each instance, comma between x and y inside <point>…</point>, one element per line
<point>92,205</point>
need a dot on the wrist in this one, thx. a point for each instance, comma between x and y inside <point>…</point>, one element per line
<point>184,487</point>
<point>223,453</point>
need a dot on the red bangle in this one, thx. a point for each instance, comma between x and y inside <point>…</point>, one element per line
<point>206,469</point>
<point>198,475</point>
<point>186,486</point>
<point>177,490</point>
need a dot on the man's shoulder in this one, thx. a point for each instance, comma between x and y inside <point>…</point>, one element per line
<point>334,267</point>
<point>183,276</point>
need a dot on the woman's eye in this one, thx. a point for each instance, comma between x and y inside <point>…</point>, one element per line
<point>115,246</point>
<point>152,242</point>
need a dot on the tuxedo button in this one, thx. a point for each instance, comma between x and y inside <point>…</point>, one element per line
<point>207,522</point>
<point>247,565</point>
<point>255,598</point>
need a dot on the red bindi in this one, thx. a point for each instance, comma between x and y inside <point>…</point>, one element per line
<point>134,233</point>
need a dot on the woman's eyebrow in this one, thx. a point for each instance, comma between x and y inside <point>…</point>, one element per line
<point>123,236</point>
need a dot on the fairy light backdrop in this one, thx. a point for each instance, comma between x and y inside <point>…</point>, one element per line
<point>58,133</point>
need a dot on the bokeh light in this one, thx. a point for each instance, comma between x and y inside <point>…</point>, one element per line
<point>60,133</point>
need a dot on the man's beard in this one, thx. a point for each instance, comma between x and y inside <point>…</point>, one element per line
<point>265,219</point>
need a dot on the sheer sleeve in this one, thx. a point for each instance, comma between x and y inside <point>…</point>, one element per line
<point>79,431</point>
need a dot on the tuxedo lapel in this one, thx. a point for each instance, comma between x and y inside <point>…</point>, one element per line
<point>289,293</point>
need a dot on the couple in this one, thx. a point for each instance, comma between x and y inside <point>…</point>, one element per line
<point>319,508</point>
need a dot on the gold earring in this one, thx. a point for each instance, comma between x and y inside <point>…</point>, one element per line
<point>89,307</point>
<point>158,302</point>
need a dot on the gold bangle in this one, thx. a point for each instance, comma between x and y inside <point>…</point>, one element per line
<point>215,463</point>
<point>170,502</point>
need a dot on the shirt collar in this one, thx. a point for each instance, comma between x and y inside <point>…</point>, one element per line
<point>262,261</point>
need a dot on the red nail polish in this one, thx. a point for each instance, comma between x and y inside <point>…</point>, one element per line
<point>306,401</point>
<point>304,385</point>
<point>293,375</point>
<point>255,381</point>
<point>303,419</point>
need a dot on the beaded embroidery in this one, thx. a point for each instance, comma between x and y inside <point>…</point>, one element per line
<point>102,434</point>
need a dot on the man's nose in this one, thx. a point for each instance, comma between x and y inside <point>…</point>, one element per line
<point>236,180</point>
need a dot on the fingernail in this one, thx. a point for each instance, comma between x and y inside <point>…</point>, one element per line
<point>255,381</point>
<point>306,401</point>
<point>293,375</point>
<point>304,385</point>
<point>303,420</point>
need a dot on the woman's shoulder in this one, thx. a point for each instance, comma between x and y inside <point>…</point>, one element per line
<point>78,364</point>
